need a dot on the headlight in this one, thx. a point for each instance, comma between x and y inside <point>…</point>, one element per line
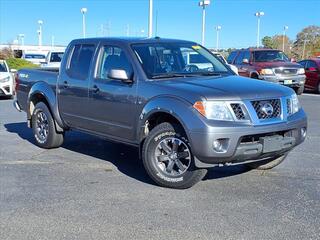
<point>301,71</point>
<point>266,71</point>
<point>214,110</point>
<point>295,105</point>
<point>7,79</point>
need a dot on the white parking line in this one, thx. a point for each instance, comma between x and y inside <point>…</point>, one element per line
<point>311,94</point>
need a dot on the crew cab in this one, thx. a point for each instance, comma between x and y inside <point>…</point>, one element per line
<point>269,65</point>
<point>184,119</point>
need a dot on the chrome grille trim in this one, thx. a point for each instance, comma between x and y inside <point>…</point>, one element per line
<point>285,71</point>
<point>276,105</point>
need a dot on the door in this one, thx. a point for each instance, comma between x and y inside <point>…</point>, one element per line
<point>112,101</point>
<point>73,86</point>
<point>312,74</point>
<point>242,67</point>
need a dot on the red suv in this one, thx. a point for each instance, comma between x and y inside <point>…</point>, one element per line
<point>312,68</point>
<point>269,65</point>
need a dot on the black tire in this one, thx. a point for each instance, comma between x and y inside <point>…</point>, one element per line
<point>267,164</point>
<point>43,127</point>
<point>318,90</point>
<point>299,90</point>
<point>188,174</point>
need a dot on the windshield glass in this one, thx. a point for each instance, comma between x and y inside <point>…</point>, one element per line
<point>34,56</point>
<point>3,67</point>
<point>269,56</point>
<point>56,57</point>
<point>177,59</point>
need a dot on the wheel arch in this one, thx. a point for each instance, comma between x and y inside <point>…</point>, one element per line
<point>42,92</point>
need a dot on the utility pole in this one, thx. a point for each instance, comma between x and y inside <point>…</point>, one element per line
<point>203,5</point>
<point>150,18</point>
<point>83,11</point>
<point>285,28</point>
<point>258,15</point>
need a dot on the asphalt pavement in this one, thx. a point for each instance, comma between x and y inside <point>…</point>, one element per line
<point>93,189</point>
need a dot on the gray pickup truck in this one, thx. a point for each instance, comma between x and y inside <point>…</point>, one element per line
<point>184,118</point>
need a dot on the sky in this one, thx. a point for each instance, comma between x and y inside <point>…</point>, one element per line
<point>179,19</point>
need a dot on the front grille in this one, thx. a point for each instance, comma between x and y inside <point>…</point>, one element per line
<point>238,111</point>
<point>267,109</point>
<point>286,71</point>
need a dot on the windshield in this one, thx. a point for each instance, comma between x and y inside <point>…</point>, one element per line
<point>269,56</point>
<point>3,67</point>
<point>177,60</point>
<point>56,57</point>
<point>34,56</point>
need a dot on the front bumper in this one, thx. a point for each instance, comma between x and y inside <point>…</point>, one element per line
<point>246,143</point>
<point>289,81</point>
<point>6,89</point>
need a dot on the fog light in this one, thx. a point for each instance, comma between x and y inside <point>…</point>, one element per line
<point>220,145</point>
<point>303,132</point>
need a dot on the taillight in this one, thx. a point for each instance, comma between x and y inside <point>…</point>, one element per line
<point>16,80</point>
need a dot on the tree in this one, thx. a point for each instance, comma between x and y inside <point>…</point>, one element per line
<point>307,43</point>
<point>267,42</point>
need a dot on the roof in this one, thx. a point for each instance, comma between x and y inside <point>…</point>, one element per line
<point>131,40</point>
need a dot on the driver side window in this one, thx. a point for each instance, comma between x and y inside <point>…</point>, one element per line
<point>112,57</point>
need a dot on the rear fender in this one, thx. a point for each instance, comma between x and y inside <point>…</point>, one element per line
<point>44,89</point>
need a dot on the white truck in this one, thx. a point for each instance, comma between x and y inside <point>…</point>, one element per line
<point>53,60</point>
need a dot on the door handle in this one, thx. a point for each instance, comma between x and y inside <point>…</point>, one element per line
<point>95,89</point>
<point>65,84</point>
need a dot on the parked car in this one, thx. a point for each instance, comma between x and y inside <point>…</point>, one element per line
<point>312,69</point>
<point>183,119</point>
<point>269,65</point>
<point>35,58</point>
<point>53,60</point>
<point>233,67</point>
<point>6,80</point>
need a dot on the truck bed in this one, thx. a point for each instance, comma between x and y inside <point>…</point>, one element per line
<point>28,77</point>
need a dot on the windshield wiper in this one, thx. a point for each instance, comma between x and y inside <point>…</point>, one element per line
<point>170,75</point>
<point>209,74</point>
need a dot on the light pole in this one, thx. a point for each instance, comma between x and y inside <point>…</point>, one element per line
<point>218,28</point>
<point>285,28</point>
<point>203,5</point>
<point>83,11</point>
<point>40,22</point>
<point>304,47</point>
<point>258,15</point>
<point>150,18</point>
<point>21,36</point>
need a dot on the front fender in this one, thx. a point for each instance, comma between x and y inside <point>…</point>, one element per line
<point>47,92</point>
<point>182,110</point>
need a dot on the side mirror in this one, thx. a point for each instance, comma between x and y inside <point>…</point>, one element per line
<point>119,74</point>
<point>245,61</point>
<point>13,70</point>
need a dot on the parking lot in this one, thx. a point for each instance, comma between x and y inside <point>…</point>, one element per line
<point>93,189</point>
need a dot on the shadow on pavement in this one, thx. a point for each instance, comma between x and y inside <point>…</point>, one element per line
<point>124,157</point>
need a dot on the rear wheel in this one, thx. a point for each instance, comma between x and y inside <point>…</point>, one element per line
<point>168,159</point>
<point>43,127</point>
<point>267,164</point>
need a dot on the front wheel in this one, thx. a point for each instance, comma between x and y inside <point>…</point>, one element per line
<point>43,127</point>
<point>168,159</point>
<point>267,164</point>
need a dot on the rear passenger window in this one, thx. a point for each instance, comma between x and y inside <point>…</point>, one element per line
<point>231,57</point>
<point>79,64</point>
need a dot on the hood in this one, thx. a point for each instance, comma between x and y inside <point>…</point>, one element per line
<point>4,75</point>
<point>277,64</point>
<point>225,88</point>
